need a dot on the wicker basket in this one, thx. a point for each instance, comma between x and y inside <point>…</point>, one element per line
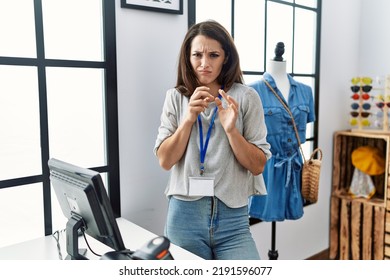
<point>311,177</point>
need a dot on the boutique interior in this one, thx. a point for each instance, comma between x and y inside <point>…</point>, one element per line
<point>341,53</point>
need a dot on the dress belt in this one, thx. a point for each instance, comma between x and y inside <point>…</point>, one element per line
<point>290,161</point>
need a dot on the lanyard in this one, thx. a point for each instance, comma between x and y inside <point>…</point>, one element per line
<point>203,146</point>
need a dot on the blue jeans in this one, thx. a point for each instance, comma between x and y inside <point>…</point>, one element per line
<point>210,229</point>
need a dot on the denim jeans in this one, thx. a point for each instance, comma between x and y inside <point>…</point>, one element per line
<point>210,229</point>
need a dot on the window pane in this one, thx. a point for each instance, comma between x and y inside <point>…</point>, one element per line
<point>17,28</point>
<point>20,149</point>
<point>24,221</point>
<point>307,148</point>
<point>68,35</point>
<point>280,29</point>
<point>310,130</point>
<point>76,115</point>
<point>249,33</point>
<point>307,3</point>
<point>219,10</point>
<point>252,78</point>
<point>305,42</point>
<point>307,81</point>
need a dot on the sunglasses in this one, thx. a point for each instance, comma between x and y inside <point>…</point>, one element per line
<point>362,114</point>
<point>354,122</point>
<point>380,114</point>
<point>363,88</point>
<point>356,96</point>
<point>365,106</point>
<point>382,104</point>
<point>363,80</point>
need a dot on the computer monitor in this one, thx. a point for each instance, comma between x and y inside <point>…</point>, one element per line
<point>84,201</point>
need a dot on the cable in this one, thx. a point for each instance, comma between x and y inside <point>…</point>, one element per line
<point>82,229</point>
<point>89,247</point>
<point>56,236</point>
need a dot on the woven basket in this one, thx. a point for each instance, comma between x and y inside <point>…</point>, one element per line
<point>311,177</point>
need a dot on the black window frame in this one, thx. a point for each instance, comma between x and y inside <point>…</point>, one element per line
<point>109,66</point>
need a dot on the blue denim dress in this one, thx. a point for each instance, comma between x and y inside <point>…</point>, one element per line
<point>282,173</point>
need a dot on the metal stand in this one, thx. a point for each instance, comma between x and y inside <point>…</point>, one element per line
<point>72,238</point>
<point>273,254</point>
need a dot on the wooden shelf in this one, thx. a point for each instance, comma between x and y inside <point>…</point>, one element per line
<point>374,201</point>
<point>359,227</point>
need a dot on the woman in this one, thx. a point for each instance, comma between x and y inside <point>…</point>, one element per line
<point>212,138</point>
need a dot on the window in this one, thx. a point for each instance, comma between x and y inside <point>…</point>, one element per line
<point>58,98</point>
<point>258,25</point>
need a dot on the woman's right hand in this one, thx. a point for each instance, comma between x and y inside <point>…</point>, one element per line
<point>199,101</point>
<point>173,148</point>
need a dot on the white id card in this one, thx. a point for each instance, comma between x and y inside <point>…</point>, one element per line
<point>201,186</point>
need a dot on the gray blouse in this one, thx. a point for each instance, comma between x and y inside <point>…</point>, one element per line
<point>233,183</point>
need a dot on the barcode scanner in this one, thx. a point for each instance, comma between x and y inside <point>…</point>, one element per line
<point>155,249</point>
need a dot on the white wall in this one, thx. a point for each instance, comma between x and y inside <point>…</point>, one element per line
<point>147,46</point>
<point>374,56</point>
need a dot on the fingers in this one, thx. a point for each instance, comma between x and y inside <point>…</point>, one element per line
<point>223,93</point>
<point>218,102</point>
<point>202,93</point>
<point>201,97</point>
<point>230,100</point>
<point>199,101</point>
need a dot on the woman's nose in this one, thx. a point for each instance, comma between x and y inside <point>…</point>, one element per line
<point>204,62</point>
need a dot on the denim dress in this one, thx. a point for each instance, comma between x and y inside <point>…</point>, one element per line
<point>282,173</point>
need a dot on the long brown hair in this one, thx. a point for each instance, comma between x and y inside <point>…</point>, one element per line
<point>231,71</point>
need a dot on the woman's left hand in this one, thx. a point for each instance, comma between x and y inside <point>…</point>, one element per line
<point>228,115</point>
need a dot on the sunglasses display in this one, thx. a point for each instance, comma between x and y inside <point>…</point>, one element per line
<point>361,88</point>
<point>370,103</point>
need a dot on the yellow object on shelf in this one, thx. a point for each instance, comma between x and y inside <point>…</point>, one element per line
<point>369,160</point>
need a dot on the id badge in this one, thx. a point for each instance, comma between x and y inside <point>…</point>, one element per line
<point>201,186</point>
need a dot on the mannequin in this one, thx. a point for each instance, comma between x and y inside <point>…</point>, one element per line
<point>277,69</point>
<point>282,173</point>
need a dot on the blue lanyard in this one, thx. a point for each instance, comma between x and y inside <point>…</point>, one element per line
<point>203,146</point>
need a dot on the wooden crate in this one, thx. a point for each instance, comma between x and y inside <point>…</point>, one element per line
<point>359,227</point>
<point>357,230</point>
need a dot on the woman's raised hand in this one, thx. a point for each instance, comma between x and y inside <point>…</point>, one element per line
<point>227,116</point>
<point>199,101</point>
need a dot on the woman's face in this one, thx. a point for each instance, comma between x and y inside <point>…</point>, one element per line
<point>207,58</point>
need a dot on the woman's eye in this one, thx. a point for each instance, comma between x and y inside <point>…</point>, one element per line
<point>214,55</point>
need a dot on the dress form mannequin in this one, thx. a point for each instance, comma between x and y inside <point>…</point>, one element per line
<point>282,173</point>
<point>277,69</point>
